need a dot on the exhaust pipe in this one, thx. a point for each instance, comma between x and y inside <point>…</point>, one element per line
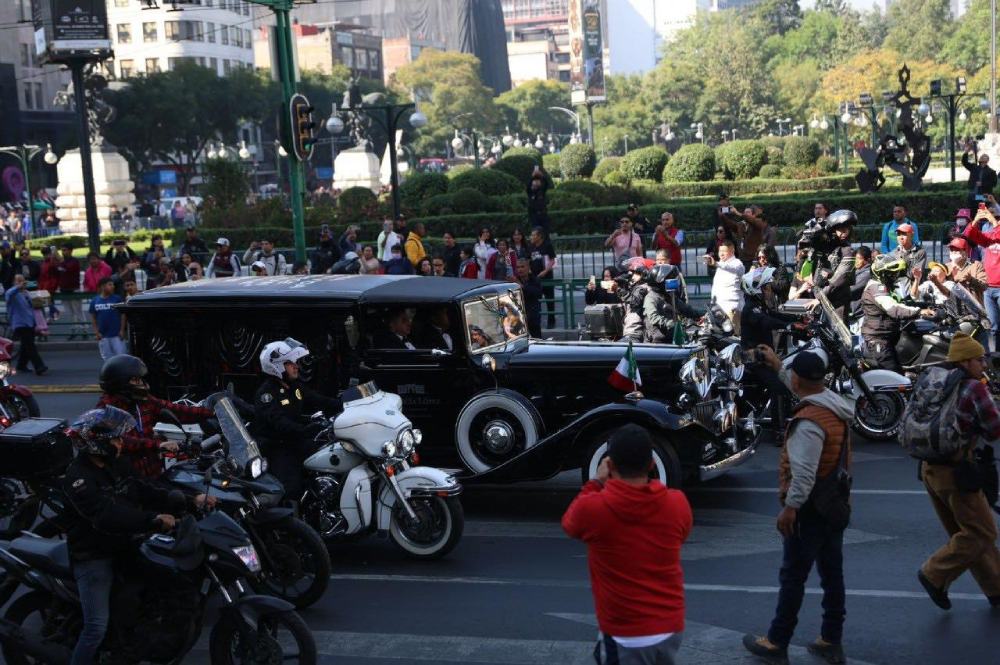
<point>15,637</point>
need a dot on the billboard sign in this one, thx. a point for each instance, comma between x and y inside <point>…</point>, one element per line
<point>71,28</point>
<point>586,52</point>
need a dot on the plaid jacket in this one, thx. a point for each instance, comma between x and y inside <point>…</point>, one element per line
<point>141,446</point>
<point>977,413</point>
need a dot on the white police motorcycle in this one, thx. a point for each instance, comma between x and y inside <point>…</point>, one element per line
<point>365,478</point>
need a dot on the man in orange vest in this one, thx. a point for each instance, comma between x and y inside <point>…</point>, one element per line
<point>817,445</point>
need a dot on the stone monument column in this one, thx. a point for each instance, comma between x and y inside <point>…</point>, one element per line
<point>112,185</point>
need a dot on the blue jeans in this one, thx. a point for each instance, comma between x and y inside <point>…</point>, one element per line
<point>992,301</point>
<point>813,541</point>
<point>93,582</point>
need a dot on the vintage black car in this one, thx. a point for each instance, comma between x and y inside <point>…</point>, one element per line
<point>486,397</point>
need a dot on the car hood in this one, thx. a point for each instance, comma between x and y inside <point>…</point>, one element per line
<point>605,354</point>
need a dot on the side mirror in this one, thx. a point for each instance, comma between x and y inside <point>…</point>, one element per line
<point>488,362</point>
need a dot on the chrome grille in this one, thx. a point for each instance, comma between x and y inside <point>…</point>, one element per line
<point>704,413</point>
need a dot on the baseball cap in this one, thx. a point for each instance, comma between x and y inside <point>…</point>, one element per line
<point>964,212</point>
<point>960,244</point>
<point>904,228</point>
<point>809,366</point>
<point>222,241</point>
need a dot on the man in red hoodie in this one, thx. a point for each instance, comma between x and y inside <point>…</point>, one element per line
<point>990,243</point>
<point>634,528</point>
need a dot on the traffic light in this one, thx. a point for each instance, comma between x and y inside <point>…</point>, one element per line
<point>303,127</point>
<point>936,88</point>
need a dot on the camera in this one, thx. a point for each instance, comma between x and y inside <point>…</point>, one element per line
<point>815,235</point>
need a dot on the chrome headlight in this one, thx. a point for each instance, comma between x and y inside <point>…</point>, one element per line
<point>406,441</point>
<point>693,374</point>
<point>248,555</point>
<point>725,417</point>
<point>732,361</point>
<point>257,467</point>
<point>4,369</point>
<point>418,436</point>
<point>389,449</point>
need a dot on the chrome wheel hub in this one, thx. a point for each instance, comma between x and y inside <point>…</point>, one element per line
<point>498,437</point>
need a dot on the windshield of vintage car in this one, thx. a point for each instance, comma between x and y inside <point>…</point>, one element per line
<point>242,446</point>
<point>495,321</point>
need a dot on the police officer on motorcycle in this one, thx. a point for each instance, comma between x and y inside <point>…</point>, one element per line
<point>836,278</point>
<point>884,313</point>
<point>109,506</point>
<point>633,289</point>
<point>282,407</point>
<point>662,304</point>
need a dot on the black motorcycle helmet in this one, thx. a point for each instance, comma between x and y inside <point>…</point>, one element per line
<point>657,276</point>
<point>841,218</point>
<point>117,374</point>
<point>94,430</point>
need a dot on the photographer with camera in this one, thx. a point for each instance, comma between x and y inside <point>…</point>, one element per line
<point>982,179</point>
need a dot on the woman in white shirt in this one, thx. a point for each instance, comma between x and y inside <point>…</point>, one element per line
<point>484,249</point>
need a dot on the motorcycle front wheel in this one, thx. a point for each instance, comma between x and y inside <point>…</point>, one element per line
<point>33,613</point>
<point>298,568</point>
<point>437,529</point>
<point>282,637</point>
<point>880,418</point>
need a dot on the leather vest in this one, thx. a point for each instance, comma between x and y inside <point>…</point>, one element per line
<point>877,322</point>
<point>835,435</point>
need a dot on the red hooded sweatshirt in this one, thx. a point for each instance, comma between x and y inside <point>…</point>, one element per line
<point>634,537</point>
<point>990,242</point>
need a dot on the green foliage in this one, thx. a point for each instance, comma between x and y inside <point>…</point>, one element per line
<point>470,201</point>
<point>520,166</point>
<point>695,161</point>
<point>357,203</point>
<point>606,166</point>
<point>563,200</point>
<point>741,160</point>
<point>773,185</point>
<point>770,171</point>
<point>226,183</point>
<point>490,182</point>
<point>459,168</point>
<point>527,107</point>
<point>616,179</point>
<point>826,164</point>
<point>439,204</point>
<point>775,154</point>
<point>577,160</point>
<point>550,162</point>
<point>919,27</point>
<point>511,202</point>
<point>645,163</point>
<point>524,151</point>
<point>270,212</point>
<point>801,151</point>
<point>420,186</point>
<point>596,194</point>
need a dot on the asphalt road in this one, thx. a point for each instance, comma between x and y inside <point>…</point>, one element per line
<point>516,589</point>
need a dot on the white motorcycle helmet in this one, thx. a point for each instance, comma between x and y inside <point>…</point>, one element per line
<point>274,356</point>
<point>755,280</point>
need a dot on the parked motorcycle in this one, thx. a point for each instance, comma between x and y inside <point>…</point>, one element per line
<point>880,394</point>
<point>16,402</point>
<point>157,604</point>
<point>295,564</point>
<point>364,478</point>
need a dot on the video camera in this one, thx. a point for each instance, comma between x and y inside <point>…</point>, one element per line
<point>816,236</point>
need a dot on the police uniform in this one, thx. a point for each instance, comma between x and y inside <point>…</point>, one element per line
<point>881,326</point>
<point>281,412</point>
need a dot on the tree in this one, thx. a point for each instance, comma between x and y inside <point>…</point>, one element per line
<point>918,28</point>
<point>451,95</point>
<point>170,117</point>
<point>778,16</point>
<point>838,7</point>
<point>526,108</point>
<point>968,47</point>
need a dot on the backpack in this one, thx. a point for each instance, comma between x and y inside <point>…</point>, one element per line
<point>929,429</point>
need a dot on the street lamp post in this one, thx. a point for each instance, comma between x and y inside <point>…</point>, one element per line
<point>951,104</point>
<point>24,154</point>
<point>783,121</point>
<point>572,114</point>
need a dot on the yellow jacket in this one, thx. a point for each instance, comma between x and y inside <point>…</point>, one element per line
<point>414,249</point>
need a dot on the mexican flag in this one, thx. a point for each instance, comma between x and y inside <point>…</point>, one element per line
<point>626,375</point>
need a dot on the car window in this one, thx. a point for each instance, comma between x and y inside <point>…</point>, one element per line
<point>494,321</point>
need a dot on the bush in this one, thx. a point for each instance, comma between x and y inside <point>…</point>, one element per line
<point>595,193</point>
<point>439,204</point>
<point>695,161</point>
<point>269,212</point>
<point>770,171</point>
<point>459,168</point>
<point>226,183</point>
<point>471,201</point>
<point>607,166</point>
<point>420,186</point>
<point>645,163</point>
<point>757,186</point>
<point>615,179</point>
<point>826,164</point>
<point>357,203</point>
<point>619,195</point>
<point>560,200</point>
<point>801,151</point>
<point>518,166</point>
<point>577,160</point>
<point>525,151</point>
<point>741,160</point>
<point>775,155</point>
<point>490,182</point>
<point>550,162</point>
<point>648,191</point>
<point>511,202</point>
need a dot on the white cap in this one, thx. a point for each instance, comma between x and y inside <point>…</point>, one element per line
<point>222,241</point>
<point>258,265</point>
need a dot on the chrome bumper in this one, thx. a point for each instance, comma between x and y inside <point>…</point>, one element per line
<point>719,468</point>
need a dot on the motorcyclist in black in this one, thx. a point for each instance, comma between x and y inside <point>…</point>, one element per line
<point>632,291</point>
<point>282,407</point>
<point>662,304</point>
<point>884,313</point>
<point>110,506</point>
<point>836,277</point>
<point>761,320</point>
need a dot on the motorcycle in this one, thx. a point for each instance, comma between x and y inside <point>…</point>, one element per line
<point>36,453</point>
<point>16,402</point>
<point>924,343</point>
<point>158,602</point>
<point>295,564</point>
<point>879,394</point>
<point>364,478</point>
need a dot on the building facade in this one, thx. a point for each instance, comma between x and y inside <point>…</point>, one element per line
<point>217,34</point>
<point>537,39</point>
<point>321,47</point>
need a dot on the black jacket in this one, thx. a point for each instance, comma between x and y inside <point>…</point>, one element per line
<point>10,265</point>
<point>757,324</point>
<point>988,175</point>
<point>836,285</point>
<point>660,315</point>
<point>861,279</point>
<point>117,260</point>
<point>532,289</point>
<point>110,505</point>
<point>196,248</point>
<point>432,337</point>
<point>281,410</point>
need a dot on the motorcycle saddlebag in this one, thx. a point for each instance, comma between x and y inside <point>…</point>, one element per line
<point>35,448</point>
<point>605,320</point>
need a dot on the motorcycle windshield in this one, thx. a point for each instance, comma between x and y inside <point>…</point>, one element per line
<point>967,301</point>
<point>835,321</point>
<point>242,447</point>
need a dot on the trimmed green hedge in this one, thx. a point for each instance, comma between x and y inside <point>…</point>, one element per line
<point>550,162</point>
<point>801,151</point>
<point>488,181</point>
<point>577,160</point>
<point>607,166</point>
<point>645,163</point>
<point>596,194</point>
<point>420,186</point>
<point>756,186</point>
<point>520,166</point>
<point>694,161</point>
<point>741,160</point>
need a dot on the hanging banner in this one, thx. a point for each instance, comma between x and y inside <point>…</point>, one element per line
<point>71,28</point>
<point>586,52</point>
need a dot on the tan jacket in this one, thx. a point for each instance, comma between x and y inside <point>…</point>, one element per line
<point>974,272</point>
